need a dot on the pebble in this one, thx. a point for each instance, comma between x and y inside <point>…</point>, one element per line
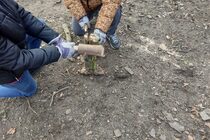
<point>174,109</point>
<point>69,118</point>
<point>89,133</point>
<point>158,121</point>
<point>68,111</point>
<point>205,114</point>
<point>152,133</point>
<point>117,133</point>
<point>129,70</point>
<point>168,37</point>
<point>162,137</point>
<point>168,116</point>
<point>156,94</point>
<point>142,111</point>
<point>178,135</point>
<point>149,16</point>
<point>178,127</point>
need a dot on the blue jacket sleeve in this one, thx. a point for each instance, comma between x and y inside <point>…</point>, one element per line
<point>12,58</point>
<point>35,27</point>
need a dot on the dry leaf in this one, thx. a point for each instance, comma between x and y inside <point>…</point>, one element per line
<point>11,131</point>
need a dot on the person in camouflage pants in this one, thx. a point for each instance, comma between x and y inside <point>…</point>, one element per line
<point>108,14</point>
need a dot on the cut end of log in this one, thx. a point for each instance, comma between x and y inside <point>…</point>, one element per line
<point>87,49</point>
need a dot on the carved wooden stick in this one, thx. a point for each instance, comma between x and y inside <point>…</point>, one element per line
<point>67,32</point>
<point>93,50</point>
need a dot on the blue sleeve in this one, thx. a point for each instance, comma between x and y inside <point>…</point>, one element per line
<point>12,58</point>
<point>35,27</point>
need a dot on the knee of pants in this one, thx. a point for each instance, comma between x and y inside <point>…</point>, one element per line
<point>25,87</point>
<point>77,29</point>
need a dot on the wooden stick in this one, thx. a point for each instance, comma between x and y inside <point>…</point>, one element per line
<point>56,92</point>
<point>93,50</point>
<point>29,106</point>
<point>67,32</point>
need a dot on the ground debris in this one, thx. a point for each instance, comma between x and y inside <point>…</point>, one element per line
<point>56,92</point>
<point>129,70</point>
<point>58,2</point>
<point>207,124</point>
<point>11,131</point>
<point>152,133</point>
<point>205,114</point>
<point>121,75</point>
<point>68,111</point>
<point>190,137</point>
<point>162,137</point>
<point>194,111</point>
<point>67,32</point>
<point>117,133</point>
<point>178,127</point>
<point>89,133</point>
<point>168,116</point>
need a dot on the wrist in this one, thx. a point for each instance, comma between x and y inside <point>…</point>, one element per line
<point>59,50</point>
<point>83,21</point>
<point>56,41</point>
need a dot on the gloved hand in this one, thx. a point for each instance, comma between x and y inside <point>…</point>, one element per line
<point>84,21</point>
<point>66,49</point>
<point>101,35</point>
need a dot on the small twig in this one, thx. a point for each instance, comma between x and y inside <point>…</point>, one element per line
<point>29,106</point>
<point>56,92</point>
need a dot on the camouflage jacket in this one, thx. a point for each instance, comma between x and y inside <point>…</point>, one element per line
<point>79,8</point>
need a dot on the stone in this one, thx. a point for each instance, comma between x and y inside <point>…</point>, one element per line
<point>178,127</point>
<point>168,116</point>
<point>149,16</point>
<point>168,37</point>
<point>129,70</point>
<point>68,111</point>
<point>162,137</point>
<point>158,121</point>
<point>117,133</point>
<point>152,133</point>
<point>205,114</point>
<point>89,133</point>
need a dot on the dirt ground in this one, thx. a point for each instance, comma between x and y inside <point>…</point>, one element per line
<point>165,43</point>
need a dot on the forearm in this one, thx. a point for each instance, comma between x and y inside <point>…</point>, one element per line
<point>13,59</point>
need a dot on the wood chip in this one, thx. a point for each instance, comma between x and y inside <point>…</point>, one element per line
<point>67,32</point>
<point>11,131</point>
<point>129,70</point>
